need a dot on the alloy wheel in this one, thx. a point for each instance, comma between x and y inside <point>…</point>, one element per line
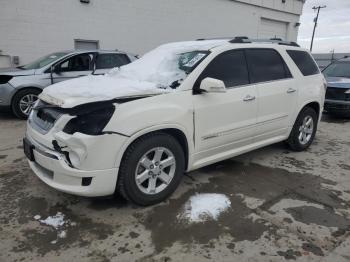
<point>155,170</point>
<point>306,130</point>
<point>27,102</point>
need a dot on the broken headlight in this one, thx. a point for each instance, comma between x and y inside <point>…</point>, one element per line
<point>91,123</point>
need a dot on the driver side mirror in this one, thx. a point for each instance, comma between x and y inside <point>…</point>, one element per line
<point>212,85</point>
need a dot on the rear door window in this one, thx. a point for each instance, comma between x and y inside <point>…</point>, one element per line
<point>304,62</point>
<point>266,65</point>
<point>230,67</point>
<point>106,61</point>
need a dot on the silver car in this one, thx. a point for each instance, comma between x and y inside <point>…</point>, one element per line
<point>20,87</point>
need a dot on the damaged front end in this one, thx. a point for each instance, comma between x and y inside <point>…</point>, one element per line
<point>71,131</point>
<point>78,133</point>
<point>70,148</point>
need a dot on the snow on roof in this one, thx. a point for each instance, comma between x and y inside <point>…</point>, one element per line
<point>160,65</point>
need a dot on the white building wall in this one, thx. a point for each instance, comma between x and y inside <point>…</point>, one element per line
<point>30,29</point>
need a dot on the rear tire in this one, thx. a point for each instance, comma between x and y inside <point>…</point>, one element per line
<point>151,169</point>
<point>304,130</point>
<point>23,102</point>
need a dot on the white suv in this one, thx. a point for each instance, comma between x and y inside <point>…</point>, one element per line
<point>180,107</point>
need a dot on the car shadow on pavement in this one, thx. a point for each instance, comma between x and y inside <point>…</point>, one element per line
<point>7,116</point>
<point>335,119</point>
<point>104,203</point>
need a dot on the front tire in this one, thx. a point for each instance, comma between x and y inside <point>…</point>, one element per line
<point>151,169</point>
<point>23,102</point>
<point>304,130</point>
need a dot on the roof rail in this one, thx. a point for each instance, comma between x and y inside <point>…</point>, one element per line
<point>246,40</point>
<point>215,38</point>
<point>237,39</point>
<point>240,39</point>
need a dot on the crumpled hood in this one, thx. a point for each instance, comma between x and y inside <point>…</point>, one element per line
<point>16,72</point>
<point>339,82</point>
<point>91,88</point>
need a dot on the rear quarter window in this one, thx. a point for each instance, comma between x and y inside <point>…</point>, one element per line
<point>304,62</point>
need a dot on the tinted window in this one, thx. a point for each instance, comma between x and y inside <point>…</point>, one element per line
<point>266,65</point>
<point>77,63</point>
<point>230,67</point>
<point>106,61</point>
<point>305,63</point>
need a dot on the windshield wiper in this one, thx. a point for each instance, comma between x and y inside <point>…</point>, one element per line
<point>175,84</point>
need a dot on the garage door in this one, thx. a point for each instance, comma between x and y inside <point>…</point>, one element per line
<point>86,44</point>
<point>273,28</point>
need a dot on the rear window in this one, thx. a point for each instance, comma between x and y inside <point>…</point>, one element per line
<point>304,62</point>
<point>338,69</point>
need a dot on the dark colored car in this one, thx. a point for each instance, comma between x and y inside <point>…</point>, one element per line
<point>338,90</point>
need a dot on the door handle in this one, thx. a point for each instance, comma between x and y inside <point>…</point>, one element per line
<point>291,90</point>
<point>249,98</point>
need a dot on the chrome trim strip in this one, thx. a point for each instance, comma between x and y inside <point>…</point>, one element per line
<point>227,132</point>
<point>260,83</point>
<point>40,149</point>
<point>44,153</point>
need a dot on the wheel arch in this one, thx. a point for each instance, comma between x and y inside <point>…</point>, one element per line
<point>314,105</point>
<point>178,133</point>
<point>24,88</point>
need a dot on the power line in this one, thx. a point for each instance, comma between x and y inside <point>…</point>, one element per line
<point>318,8</point>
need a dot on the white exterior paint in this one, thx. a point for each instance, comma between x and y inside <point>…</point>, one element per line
<point>212,129</point>
<point>30,29</point>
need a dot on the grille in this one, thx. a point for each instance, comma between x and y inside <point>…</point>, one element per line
<point>43,119</point>
<point>337,94</point>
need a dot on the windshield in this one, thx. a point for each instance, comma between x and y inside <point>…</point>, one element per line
<point>43,61</point>
<point>338,69</point>
<point>168,65</point>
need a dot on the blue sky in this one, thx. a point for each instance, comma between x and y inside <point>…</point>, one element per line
<point>333,31</point>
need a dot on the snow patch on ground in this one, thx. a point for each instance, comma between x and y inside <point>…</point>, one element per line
<point>54,221</point>
<point>37,217</point>
<point>203,207</point>
<point>58,222</point>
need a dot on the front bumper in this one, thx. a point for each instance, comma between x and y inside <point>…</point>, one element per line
<point>6,93</point>
<point>337,106</point>
<point>52,168</point>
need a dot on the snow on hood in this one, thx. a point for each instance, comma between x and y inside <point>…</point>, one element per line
<point>95,88</point>
<point>151,74</point>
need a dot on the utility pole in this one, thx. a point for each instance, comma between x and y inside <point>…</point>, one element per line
<point>318,8</point>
